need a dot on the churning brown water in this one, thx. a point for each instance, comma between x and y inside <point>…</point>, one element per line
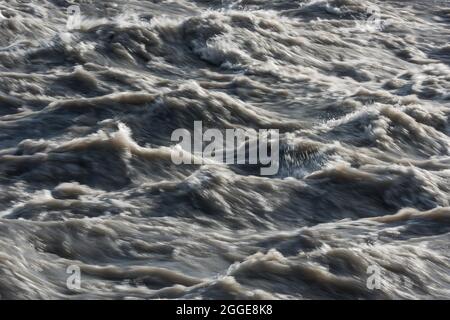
<point>88,103</point>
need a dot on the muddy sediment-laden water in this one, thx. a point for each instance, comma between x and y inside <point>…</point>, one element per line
<point>88,102</point>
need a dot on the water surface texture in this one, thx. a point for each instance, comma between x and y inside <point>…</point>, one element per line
<point>88,103</point>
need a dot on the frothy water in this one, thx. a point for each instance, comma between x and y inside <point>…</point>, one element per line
<point>88,102</point>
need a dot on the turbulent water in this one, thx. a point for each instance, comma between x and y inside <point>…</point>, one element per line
<point>86,178</point>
